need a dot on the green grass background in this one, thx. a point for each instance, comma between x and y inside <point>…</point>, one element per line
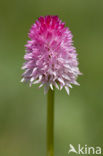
<point>78,117</point>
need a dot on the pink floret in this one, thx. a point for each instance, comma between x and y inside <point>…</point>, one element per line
<point>51,58</point>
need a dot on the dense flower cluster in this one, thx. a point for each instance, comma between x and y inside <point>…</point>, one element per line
<point>51,58</point>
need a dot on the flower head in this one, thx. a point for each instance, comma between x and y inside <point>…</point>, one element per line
<point>51,58</point>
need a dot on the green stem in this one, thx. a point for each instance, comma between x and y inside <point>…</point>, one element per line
<point>50,123</point>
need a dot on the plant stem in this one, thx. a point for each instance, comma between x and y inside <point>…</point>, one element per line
<point>50,123</point>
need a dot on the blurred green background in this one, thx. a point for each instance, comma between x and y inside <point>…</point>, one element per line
<point>78,117</point>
